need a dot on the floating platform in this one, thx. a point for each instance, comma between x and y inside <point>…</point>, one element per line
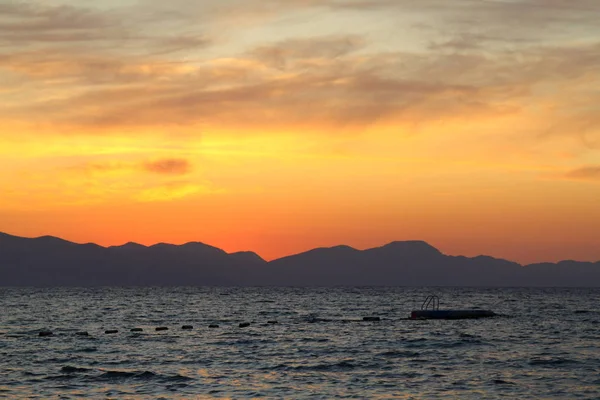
<point>451,314</point>
<point>431,310</point>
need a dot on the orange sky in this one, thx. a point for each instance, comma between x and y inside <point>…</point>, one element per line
<point>279,126</point>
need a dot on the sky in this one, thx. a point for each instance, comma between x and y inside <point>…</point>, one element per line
<point>283,125</point>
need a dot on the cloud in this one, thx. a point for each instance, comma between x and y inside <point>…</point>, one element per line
<point>39,35</point>
<point>169,166</point>
<point>173,191</point>
<point>165,166</point>
<point>314,88</point>
<point>33,23</point>
<point>137,77</point>
<point>590,172</point>
<point>103,168</point>
<point>285,54</point>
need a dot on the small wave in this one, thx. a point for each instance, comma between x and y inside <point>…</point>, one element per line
<point>451,344</point>
<point>29,373</point>
<point>88,350</point>
<point>55,360</point>
<point>59,377</point>
<point>395,374</point>
<point>417,340</point>
<point>399,354</point>
<point>586,312</point>
<point>70,369</point>
<point>502,382</point>
<point>552,361</point>
<point>418,343</point>
<point>240,333</point>
<point>315,320</point>
<point>177,378</point>
<point>312,318</point>
<point>471,341</point>
<point>317,340</point>
<point>116,375</point>
<point>243,342</point>
<point>323,367</point>
<point>140,375</point>
<point>342,365</point>
<point>221,343</point>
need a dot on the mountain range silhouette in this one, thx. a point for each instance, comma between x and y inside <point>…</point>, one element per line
<point>51,261</point>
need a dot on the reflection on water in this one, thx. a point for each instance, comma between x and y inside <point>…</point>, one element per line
<point>546,347</point>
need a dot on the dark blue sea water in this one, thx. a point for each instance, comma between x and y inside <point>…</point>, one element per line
<point>547,346</point>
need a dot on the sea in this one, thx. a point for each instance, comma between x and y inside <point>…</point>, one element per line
<point>544,345</point>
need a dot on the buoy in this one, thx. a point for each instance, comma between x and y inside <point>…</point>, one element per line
<point>109,331</point>
<point>45,333</point>
<point>82,333</point>
<point>244,324</point>
<point>137,330</point>
<point>371,319</point>
<point>162,328</point>
<point>213,326</point>
<point>187,327</point>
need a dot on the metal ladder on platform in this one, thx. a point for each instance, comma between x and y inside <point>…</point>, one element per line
<point>431,301</point>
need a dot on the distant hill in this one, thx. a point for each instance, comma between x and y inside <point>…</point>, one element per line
<point>50,261</point>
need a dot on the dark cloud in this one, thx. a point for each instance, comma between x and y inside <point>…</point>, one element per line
<point>169,166</point>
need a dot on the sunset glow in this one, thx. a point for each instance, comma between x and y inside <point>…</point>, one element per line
<point>280,126</point>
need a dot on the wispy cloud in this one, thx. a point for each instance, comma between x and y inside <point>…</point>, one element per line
<point>35,23</point>
<point>101,73</point>
<point>300,86</point>
<point>297,53</point>
<point>163,166</point>
<point>173,191</point>
<point>590,172</point>
<point>169,166</point>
